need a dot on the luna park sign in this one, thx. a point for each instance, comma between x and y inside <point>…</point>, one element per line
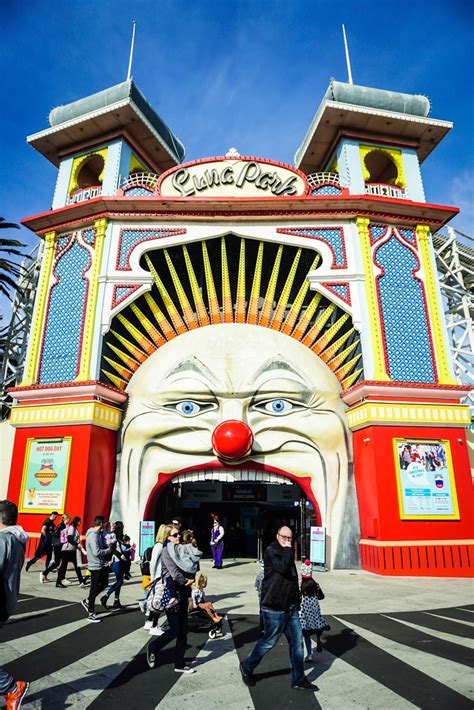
<point>242,177</point>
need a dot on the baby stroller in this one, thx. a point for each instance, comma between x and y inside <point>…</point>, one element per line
<point>215,627</point>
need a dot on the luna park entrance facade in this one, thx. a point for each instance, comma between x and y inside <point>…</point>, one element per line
<point>251,507</point>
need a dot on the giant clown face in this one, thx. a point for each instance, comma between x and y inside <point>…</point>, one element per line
<point>283,393</point>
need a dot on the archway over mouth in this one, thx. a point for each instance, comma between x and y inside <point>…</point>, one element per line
<point>251,504</point>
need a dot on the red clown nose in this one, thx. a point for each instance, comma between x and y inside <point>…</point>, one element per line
<point>232,439</point>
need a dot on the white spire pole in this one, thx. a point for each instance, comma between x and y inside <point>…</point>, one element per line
<point>348,61</point>
<point>129,73</point>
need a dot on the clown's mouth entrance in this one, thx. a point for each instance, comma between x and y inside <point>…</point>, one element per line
<point>251,506</point>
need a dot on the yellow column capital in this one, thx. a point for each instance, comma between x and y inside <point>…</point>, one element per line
<point>380,371</point>
<point>363,224</point>
<point>30,373</point>
<point>434,307</point>
<point>423,232</point>
<point>100,226</point>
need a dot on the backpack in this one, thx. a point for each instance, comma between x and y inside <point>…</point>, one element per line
<point>63,536</point>
<point>145,563</point>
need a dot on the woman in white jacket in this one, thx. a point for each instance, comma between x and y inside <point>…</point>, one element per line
<point>151,623</point>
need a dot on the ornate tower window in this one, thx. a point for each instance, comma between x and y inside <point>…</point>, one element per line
<point>86,176</point>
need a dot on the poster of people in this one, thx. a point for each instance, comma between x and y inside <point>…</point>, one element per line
<point>425,479</point>
<point>43,486</point>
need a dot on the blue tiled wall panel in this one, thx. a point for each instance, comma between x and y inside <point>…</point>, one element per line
<point>403,315</point>
<point>61,347</point>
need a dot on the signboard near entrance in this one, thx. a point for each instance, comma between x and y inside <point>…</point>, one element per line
<point>147,535</point>
<point>202,492</point>
<point>233,177</point>
<point>244,492</point>
<point>317,553</point>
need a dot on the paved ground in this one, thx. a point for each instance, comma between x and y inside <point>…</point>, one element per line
<point>394,643</point>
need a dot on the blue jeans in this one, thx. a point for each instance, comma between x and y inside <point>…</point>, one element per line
<point>117,569</point>
<point>276,623</point>
<point>7,683</point>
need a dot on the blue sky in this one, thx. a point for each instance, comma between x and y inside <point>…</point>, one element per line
<point>243,73</point>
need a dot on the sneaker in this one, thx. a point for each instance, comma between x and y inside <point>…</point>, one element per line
<point>304,684</point>
<point>156,631</point>
<point>247,676</point>
<point>43,578</point>
<point>148,625</point>
<point>85,604</point>
<point>15,697</point>
<point>60,585</point>
<point>94,619</point>
<point>185,669</point>
<point>103,601</point>
<point>117,604</point>
<point>150,658</point>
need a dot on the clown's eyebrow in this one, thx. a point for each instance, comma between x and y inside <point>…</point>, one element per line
<point>194,365</point>
<point>272,364</point>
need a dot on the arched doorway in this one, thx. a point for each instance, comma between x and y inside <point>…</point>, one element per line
<point>251,503</point>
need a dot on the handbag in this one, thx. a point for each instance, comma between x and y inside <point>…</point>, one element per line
<point>165,599</point>
<point>155,595</point>
<point>319,592</point>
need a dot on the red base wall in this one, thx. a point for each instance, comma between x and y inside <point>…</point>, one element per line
<point>91,472</point>
<point>376,483</point>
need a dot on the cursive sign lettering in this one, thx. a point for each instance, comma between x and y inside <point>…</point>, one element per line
<point>188,182</point>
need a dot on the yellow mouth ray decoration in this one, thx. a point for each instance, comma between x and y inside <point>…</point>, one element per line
<point>261,283</point>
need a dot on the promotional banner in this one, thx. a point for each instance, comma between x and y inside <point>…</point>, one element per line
<point>45,472</point>
<point>147,535</point>
<point>317,550</point>
<point>426,486</point>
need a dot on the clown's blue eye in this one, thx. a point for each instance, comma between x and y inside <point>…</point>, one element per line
<point>278,406</point>
<point>188,408</point>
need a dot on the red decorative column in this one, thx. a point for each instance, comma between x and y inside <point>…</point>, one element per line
<point>382,417</point>
<point>82,417</point>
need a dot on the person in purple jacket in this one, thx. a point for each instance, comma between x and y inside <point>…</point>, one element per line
<point>217,542</point>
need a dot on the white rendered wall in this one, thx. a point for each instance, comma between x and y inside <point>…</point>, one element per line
<point>414,182</point>
<point>350,167</point>
<point>111,171</point>
<point>7,437</point>
<point>62,183</point>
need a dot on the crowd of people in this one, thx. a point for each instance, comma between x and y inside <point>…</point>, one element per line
<point>173,586</point>
<point>107,548</point>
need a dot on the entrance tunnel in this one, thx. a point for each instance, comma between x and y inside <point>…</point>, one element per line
<point>251,511</point>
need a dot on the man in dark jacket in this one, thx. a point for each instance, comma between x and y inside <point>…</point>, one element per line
<point>13,540</point>
<point>45,545</point>
<point>279,604</point>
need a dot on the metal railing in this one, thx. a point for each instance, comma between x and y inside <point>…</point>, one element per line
<point>87,193</point>
<point>316,179</point>
<point>382,190</point>
<point>454,252</point>
<point>14,335</point>
<point>147,180</point>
